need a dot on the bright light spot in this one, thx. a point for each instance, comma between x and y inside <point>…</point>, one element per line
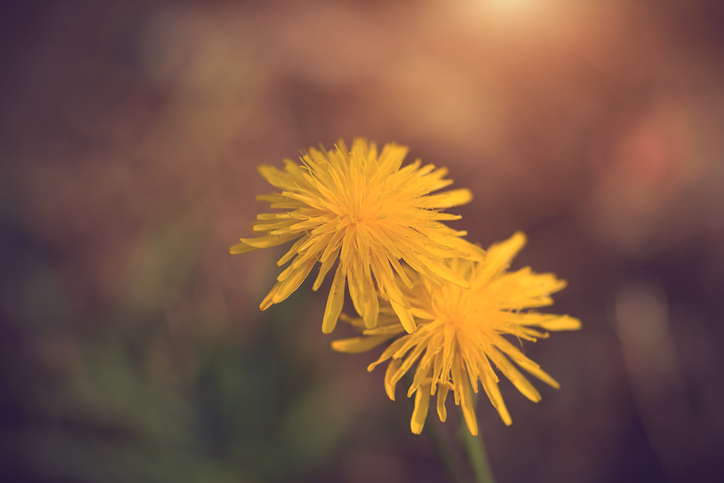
<point>511,6</point>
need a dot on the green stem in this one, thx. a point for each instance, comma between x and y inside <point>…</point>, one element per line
<point>477,455</point>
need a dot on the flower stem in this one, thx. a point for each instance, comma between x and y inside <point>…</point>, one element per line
<point>477,455</point>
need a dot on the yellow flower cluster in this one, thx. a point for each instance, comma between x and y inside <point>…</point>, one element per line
<point>442,302</point>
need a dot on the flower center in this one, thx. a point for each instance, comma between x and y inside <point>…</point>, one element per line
<point>451,304</point>
<point>363,211</point>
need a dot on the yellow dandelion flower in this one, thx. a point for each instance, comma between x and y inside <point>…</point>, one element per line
<point>363,209</point>
<point>460,336</point>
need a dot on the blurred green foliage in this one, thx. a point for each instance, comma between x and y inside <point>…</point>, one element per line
<point>121,399</point>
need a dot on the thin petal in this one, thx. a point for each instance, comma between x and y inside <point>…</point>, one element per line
<point>405,315</point>
<point>269,299</point>
<point>323,270</point>
<point>269,240</point>
<point>441,398</point>
<point>515,376</point>
<point>391,349</point>
<point>448,199</point>
<point>524,362</point>
<point>242,247</point>
<point>292,251</point>
<point>498,258</point>
<point>422,402</point>
<point>288,286</point>
<point>390,384</point>
<point>357,345</point>
<point>563,322</point>
<point>335,301</point>
<point>462,388</point>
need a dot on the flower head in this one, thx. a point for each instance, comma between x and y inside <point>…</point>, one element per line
<point>361,208</point>
<point>461,332</point>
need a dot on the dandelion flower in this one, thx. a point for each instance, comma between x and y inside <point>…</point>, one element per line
<point>361,208</point>
<point>460,336</point>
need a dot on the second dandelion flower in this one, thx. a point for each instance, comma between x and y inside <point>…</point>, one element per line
<point>460,338</point>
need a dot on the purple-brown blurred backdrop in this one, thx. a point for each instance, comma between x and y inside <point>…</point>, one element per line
<point>131,344</point>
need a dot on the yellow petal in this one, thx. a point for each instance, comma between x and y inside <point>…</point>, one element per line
<point>518,379</point>
<point>405,315</point>
<point>462,387</point>
<point>370,299</point>
<point>422,402</point>
<point>270,240</point>
<point>323,270</point>
<point>498,258</point>
<point>441,398</point>
<point>275,177</point>
<point>408,362</point>
<point>390,385</point>
<point>288,286</point>
<point>446,217</point>
<point>335,301</point>
<point>357,286</point>
<point>391,349</point>
<point>524,362</point>
<point>292,251</point>
<point>242,247</point>
<point>496,399</point>
<point>422,377</point>
<point>448,199</point>
<point>563,322</point>
<point>473,252</point>
<point>357,345</point>
<point>268,300</point>
<point>446,274</point>
<point>391,329</point>
<point>278,225</point>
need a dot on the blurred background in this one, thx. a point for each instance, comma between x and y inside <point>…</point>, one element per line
<point>131,344</point>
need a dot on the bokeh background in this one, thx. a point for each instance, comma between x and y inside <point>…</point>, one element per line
<point>131,343</point>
